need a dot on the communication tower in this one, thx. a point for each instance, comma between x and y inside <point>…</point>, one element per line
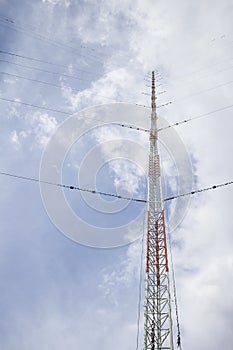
<point>158,322</point>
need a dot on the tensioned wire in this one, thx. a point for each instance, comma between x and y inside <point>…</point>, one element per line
<point>141,200</point>
<point>119,124</point>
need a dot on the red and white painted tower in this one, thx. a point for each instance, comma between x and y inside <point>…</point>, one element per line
<point>158,323</point>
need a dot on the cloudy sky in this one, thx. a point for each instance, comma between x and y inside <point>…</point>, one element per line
<point>76,68</point>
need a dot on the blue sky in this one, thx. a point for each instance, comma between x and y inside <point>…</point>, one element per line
<point>56,293</point>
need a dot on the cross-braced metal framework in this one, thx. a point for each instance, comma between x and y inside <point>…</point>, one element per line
<point>158,323</point>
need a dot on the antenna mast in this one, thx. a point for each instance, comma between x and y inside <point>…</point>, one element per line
<point>158,323</point>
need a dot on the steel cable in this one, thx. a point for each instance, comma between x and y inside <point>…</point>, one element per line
<point>141,200</point>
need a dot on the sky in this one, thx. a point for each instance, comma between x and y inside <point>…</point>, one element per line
<point>70,261</point>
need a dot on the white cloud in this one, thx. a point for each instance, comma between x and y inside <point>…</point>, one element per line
<point>38,126</point>
<point>9,81</point>
<point>66,3</point>
<point>123,275</point>
<point>108,89</point>
<point>14,139</point>
<point>42,126</point>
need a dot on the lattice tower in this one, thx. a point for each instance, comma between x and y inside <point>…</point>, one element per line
<point>158,323</point>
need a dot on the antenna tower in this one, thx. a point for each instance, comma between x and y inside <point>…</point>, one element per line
<point>158,323</point>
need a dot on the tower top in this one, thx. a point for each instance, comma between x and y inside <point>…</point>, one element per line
<point>153,104</point>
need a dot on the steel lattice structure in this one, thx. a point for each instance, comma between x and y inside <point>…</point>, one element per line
<point>158,323</point>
